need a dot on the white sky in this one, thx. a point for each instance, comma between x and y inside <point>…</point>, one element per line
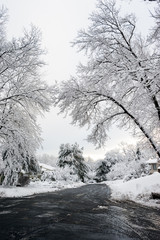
<point>59,21</point>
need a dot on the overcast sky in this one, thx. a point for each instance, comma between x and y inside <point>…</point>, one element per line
<point>59,21</point>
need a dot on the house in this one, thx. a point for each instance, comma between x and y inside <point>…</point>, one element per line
<point>155,165</point>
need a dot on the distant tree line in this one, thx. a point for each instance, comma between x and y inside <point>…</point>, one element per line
<point>129,163</point>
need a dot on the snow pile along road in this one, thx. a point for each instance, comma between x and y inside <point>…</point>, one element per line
<point>37,187</point>
<point>139,189</point>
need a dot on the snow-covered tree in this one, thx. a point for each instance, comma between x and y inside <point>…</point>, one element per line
<point>102,170</point>
<point>119,84</point>
<point>18,146</point>
<point>72,156</point>
<point>156,30</point>
<point>103,167</point>
<point>130,164</point>
<point>23,95</point>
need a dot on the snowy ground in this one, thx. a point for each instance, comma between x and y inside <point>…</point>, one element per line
<point>138,190</point>
<point>37,187</point>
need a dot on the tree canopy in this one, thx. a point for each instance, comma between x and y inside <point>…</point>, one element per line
<point>120,82</point>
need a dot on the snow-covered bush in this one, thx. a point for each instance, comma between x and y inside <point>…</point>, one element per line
<point>66,173</point>
<point>48,176</point>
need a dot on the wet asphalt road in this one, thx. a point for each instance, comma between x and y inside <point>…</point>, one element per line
<point>85,213</point>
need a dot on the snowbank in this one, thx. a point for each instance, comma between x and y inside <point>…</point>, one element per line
<point>63,178</point>
<point>37,187</point>
<point>139,189</point>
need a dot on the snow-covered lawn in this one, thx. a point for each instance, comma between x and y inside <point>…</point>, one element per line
<point>138,190</point>
<point>37,187</point>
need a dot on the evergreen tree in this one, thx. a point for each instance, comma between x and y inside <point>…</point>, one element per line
<point>72,156</point>
<point>102,170</point>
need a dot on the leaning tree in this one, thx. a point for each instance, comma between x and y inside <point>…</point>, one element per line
<point>120,82</point>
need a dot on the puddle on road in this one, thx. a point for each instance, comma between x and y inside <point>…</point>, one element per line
<point>48,214</point>
<point>80,195</point>
<point>5,212</point>
<point>102,207</point>
<point>116,208</point>
<point>99,207</point>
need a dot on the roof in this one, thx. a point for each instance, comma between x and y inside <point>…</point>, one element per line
<point>152,160</point>
<point>46,167</point>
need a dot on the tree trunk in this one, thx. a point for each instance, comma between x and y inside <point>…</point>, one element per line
<point>135,121</point>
